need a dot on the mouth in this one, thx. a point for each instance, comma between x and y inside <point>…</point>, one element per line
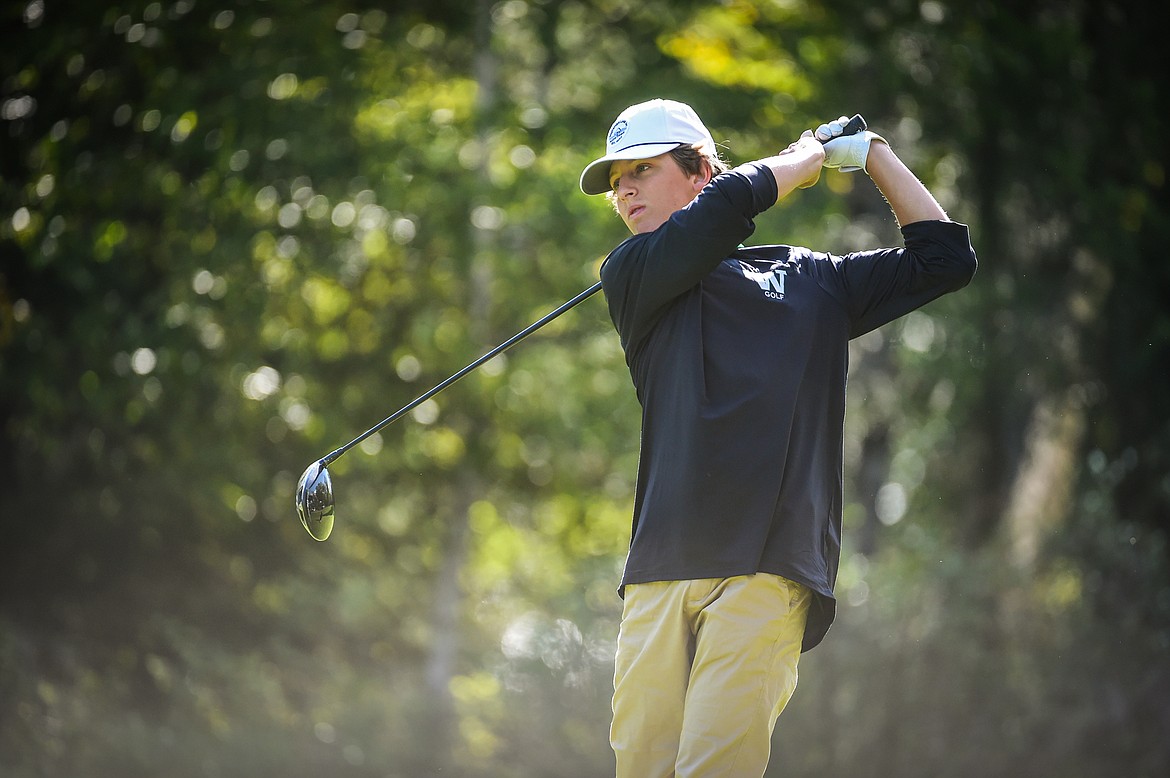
<point>635,211</point>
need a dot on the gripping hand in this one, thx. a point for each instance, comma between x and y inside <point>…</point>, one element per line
<point>847,153</point>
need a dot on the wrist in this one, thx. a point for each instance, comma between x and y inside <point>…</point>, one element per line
<point>850,153</point>
<point>816,162</point>
<point>879,152</point>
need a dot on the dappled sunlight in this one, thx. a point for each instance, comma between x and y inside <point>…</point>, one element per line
<point>236,236</point>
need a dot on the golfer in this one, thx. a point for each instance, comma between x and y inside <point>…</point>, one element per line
<point>739,358</point>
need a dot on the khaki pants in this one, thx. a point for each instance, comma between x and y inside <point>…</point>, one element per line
<point>703,670</point>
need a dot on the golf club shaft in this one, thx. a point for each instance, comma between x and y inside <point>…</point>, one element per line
<point>512,341</point>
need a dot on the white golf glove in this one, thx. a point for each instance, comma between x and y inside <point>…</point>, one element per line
<point>846,153</point>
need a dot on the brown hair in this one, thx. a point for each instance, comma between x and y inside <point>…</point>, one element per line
<point>691,160</point>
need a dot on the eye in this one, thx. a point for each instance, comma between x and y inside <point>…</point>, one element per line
<point>634,172</point>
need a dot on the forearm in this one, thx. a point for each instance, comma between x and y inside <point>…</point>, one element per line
<point>797,167</point>
<point>909,199</point>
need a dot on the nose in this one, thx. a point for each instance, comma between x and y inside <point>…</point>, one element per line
<point>623,187</point>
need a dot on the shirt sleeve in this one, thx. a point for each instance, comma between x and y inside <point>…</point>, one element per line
<point>646,272</point>
<point>879,286</point>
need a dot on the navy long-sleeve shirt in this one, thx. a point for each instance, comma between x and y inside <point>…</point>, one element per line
<point>739,357</point>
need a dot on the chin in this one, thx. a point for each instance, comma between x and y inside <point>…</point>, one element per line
<point>643,225</point>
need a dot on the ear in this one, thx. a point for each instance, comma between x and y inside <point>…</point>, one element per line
<point>702,178</point>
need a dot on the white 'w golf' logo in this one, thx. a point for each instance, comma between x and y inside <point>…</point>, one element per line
<point>770,281</point>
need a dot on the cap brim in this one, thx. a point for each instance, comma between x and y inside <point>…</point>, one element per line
<point>595,177</point>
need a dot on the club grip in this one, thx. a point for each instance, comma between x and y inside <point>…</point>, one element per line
<point>852,127</point>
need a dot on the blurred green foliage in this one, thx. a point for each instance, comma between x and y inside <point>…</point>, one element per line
<point>233,236</point>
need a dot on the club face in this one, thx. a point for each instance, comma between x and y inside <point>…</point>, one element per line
<point>314,500</point>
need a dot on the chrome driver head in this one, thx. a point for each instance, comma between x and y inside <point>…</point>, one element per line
<point>314,500</point>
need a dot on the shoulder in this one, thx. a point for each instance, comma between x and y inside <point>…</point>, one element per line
<point>629,248</point>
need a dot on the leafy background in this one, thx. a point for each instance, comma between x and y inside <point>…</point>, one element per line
<point>236,234</point>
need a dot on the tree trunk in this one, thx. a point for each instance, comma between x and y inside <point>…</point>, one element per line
<point>1042,494</point>
<point>442,664</point>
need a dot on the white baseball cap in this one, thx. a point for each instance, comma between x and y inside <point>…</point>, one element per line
<point>646,130</point>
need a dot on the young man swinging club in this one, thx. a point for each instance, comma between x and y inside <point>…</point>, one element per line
<point>739,360</point>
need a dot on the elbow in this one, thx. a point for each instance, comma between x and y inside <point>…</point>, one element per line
<point>961,269</point>
<point>955,274</point>
<point>961,266</point>
<point>969,265</point>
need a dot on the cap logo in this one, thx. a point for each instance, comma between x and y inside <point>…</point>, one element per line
<point>617,131</point>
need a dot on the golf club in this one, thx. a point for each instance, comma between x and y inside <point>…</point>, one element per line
<point>314,495</point>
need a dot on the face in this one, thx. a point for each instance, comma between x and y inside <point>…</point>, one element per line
<point>647,191</point>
